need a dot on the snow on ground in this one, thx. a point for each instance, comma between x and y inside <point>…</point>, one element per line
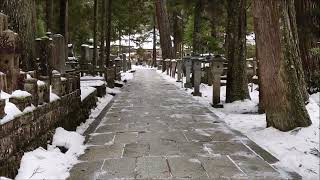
<point>86,91</point>
<point>91,83</point>
<point>295,149</point>
<point>52,163</point>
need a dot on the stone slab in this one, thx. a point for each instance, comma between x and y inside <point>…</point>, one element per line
<point>152,168</point>
<point>182,167</point>
<point>123,168</point>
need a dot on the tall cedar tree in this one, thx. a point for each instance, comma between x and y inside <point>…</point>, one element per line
<point>278,51</point>
<point>22,20</point>
<point>198,11</point>
<point>309,35</point>
<point>164,29</point>
<point>95,35</point>
<point>103,16</point>
<point>49,15</point>
<point>108,33</point>
<point>237,82</point>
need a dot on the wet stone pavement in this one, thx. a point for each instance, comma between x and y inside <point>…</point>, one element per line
<point>155,131</point>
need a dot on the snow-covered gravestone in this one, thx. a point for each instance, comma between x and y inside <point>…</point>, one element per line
<point>56,84</point>
<point>188,64</point>
<point>216,71</point>
<point>59,53</point>
<point>197,75</point>
<point>179,70</point>
<point>21,99</point>
<point>31,87</point>
<point>44,88</point>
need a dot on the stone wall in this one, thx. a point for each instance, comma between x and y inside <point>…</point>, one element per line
<point>32,130</point>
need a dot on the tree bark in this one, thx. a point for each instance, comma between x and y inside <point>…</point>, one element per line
<point>164,29</point>
<point>22,20</point>
<point>198,11</point>
<point>49,15</point>
<point>63,23</point>
<point>308,33</point>
<point>278,50</point>
<point>177,33</point>
<point>154,51</point>
<point>95,36</point>
<point>102,34</point>
<point>108,33</point>
<point>237,82</point>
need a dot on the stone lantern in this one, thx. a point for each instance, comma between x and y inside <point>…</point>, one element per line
<point>196,61</point>
<point>9,60</point>
<point>216,71</point>
<point>179,70</point>
<point>188,64</point>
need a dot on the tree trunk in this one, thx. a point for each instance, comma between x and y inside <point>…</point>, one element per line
<point>154,52</point>
<point>102,35</point>
<point>308,33</point>
<point>198,11</point>
<point>164,29</point>
<point>49,15</point>
<point>177,33</point>
<point>237,82</point>
<point>108,33</point>
<point>63,23</point>
<point>22,20</point>
<point>95,37</point>
<point>278,50</point>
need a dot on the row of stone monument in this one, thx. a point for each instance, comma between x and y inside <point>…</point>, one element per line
<point>49,72</point>
<point>208,70</point>
<point>111,73</point>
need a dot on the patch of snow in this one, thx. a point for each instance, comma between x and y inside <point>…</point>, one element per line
<point>53,97</point>
<point>194,161</point>
<point>126,76</point>
<point>19,93</point>
<point>52,163</point>
<point>92,83</point>
<point>4,95</point>
<point>115,90</point>
<point>11,112</point>
<point>41,83</point>
<point>86,91</point>
<point>92,78</point>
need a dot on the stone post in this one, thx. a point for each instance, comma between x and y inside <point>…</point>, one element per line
<point>179,70</point>
<point>197,75</point>
<point>21,102</point>
<point>84,59</point>
<point>124,63</point>
<point>167,64</point>
<point>56,84</point>
<point>59,52</point>
<point>2,105</point>
<point>44,53</point>
<point>110,76</point>
<point>45,88</point>
<point>117,62</point>
<point>3,81</point>
<point>188,63</point>
<point>216,71</point>
<point>31,87</point>
<point>173,68</point>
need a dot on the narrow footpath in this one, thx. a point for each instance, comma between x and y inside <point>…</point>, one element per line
<point>155,131</point>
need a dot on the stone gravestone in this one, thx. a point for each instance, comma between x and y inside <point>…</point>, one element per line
<point>187,63</point>
<point>59,51</point>
<point>110,76</point>
<point>44,87</point>
<point>84,59</point>
<point>56,84</point>
<point>216,71</point>
<point>44,52</point>
<point>179,70</point>
<point>196,61</point>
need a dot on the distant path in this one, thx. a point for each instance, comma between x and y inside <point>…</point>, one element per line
<point>154,131</point>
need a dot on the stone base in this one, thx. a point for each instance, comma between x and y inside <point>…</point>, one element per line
<point>217,105</point>
<point>197,94</point>
<point>188,85</point>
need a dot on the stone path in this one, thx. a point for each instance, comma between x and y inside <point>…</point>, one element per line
<point>154,131</point>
